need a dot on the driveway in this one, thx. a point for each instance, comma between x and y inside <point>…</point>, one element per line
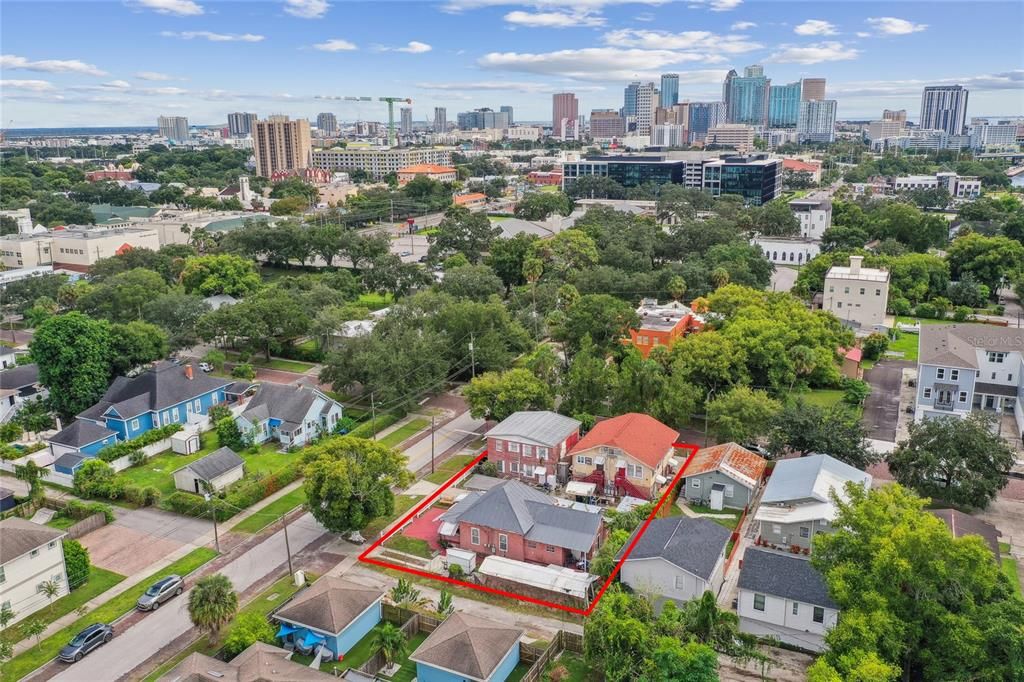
<point>784,278</point>
<point>139,538</point>
<point>881,409</point>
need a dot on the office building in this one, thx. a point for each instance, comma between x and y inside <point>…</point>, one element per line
<point>748,97</point>
<point>75,248</point>
<point>482,119</point>
<point>702,117</point>
<point>958,186</point>
<point>668,135</point>
<point>508,110</point>
<point>727,88</point>
<point>817,122</point>
<point>524,133</point>
<point>440,119</point>
<point>281,144</point>
<point>735,135</point>
<point>327,124</point>
<point>405,126</point>
<point>240,124</point>
<point>944,107</point>
<point>879,130</point>
<point>629,99</point>
<point>857,294</point>
<point>677,114</point>
<point>646,103</point>
<point>380,162</point>
<point>756,178</point>
<point>812,88</point>
<point>784,105</point>
<point>564,116</point>
<point>174,128</point>
<point>669,89</point>
<point>606,124</point>
<point>898,115</point>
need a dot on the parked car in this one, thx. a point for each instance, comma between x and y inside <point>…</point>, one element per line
<point>205,366</point>
<point>757,449</point>
<point>85,641</point>
<point>159,592</point>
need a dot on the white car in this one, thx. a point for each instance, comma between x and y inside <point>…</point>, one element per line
<point>205,366</point>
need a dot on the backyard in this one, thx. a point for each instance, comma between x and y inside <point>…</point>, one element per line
<point>363,650</point>
<point>403,503</point>
<point>271,513</point>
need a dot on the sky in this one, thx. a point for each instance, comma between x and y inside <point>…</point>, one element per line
<point>125,62</point>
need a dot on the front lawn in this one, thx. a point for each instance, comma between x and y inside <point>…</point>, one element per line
<point>403,503</point>
<point>822,397</point>
<point>271,513</point>
<point>414,546</point>
<point>404,432</point>
<point>375,301</point>
<point>1010,569</point>
<point>449,468</point>
<point>284,365</point>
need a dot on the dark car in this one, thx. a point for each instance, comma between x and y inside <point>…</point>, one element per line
<point>159,592</point>
<point>85,641</point>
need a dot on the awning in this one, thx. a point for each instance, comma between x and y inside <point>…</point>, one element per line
<point>448,529</point>
<point>312,639</point>
<point>674,462</point>
<point>285,630</point>
<point>580,488</point>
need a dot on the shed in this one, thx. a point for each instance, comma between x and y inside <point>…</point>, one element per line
<point>69,463</point>
<point>463,558</point>
<point>217,470</point>
<point>185,442</point>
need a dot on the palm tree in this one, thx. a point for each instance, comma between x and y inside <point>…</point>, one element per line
<point>50,589</point>
<point>719,629</point>
<point>212,603</point>
<point>445,604</point>
<point>405,595</point>
<point>803,361</point>
<point>720,277</point>
<point>677,288</point>
<point>392,643</point>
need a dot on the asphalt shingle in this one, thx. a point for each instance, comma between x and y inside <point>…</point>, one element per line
<point>692,544</point>
<point>784,576</point>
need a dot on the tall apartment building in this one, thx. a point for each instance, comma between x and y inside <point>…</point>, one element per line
<point>481,119</point>
<point>327,124</point>
<point>606,124</point>
<point>784,105</point>
<point>880,130</point>
<point>440,120</point>
<point>174,128</point>
<point>736,135</point>
<point>748,97</point>
<point>281,144</point>
<point>405,127</point>
<point>817,121</point>
<point>646,103</point>
<point>240,123</point>
<point>812,88</point>
<point>944,107</point>
<point>379,162</point>
<point>703,117</point>
<point>506,109</point>
<point>669,89</point>
<point>564,115</point>
<point>993,135</point>
<point>898,115</point>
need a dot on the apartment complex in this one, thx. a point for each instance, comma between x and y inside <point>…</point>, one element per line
<point>174,128</point>
<point>606,124</point>
<point>857,294</point>
<point>327,124</point>
<point>944,107</point>
<point>482,119</point>
<point>241,123</point>
<point>380,162</point>
<point>812,88</point>
<point>440,120</point>
<point>817,121</point>
<point>281,144</point>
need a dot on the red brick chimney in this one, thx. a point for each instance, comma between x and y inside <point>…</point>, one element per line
<point>188,372</point>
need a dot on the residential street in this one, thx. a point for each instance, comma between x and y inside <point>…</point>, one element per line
<point>454,433</point>
<point>141,641</point>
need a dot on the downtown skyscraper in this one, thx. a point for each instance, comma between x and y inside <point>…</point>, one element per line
<point>327,124</point>
<point>784,105</point>
<point>440,119</point>
<point>240,123</point>
<point>669,90</point>
<point>565,113</point>
<point>944,107</point>
<point>174,128</point>
<point>747,96</point>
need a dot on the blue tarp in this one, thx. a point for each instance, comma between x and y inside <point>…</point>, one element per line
<point>285,630</point>
<point>311,639</point>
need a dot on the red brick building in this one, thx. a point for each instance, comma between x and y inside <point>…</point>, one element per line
<point>662,325</point>
<point>528,445</point>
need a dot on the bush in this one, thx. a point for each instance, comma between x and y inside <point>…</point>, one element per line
<point>230,436</point>
<point>82,510</point>
<point>129,447</point>
<point>925,310</point>
<point>370,427</point>
<point>455,571</point>
<point>251,490</point>
<point>188,504</point>
<point>10,432</point>
<point>95,478</point>
<point>961,313</point>
<point>248,629</point>
<point>76,563</point>
<point>218,412</point>
<point>243,370</point>
<point>345,425</point>
<point>137,457</point>
<point>855,391</point>
<point>293,352</point>
<point>899,306</point>
<point>874,346</point>
<point>141,496</point>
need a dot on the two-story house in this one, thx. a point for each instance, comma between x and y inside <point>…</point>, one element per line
<point>662,324</point>
<point>783,596</point>
<point>18,385</point>
<point>30,554</point>
<point>631,454</point>
<point>529,445</point>
<point>797,504</point>
<point>966,367</point>
<point>292,415</point>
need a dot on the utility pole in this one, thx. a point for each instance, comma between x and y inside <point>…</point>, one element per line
<point>373,416</point>
<point>213,515</point>
<point>287,547</point>
<point>431,443</point>
<point>472,354</point>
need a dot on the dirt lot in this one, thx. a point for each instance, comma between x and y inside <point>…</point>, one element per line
<point>789,667</point>
<point>140,538</point>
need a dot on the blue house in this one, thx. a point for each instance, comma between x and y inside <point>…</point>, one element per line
<point>292,415</point>
<point>465,648</point>
<point>167,393</point>
<point>333,613</point>
<point>69,463</point>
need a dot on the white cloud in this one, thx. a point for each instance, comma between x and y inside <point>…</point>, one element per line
<point>413,47</point>
<point>891,26</point>
<point>716,5</point>
<point>644,16</point>
<point>335,45</point>
<point>116,85</point>
<point>508,86</point>
<point>457,6</point>
<point>598,64</point>
<point>743,25</point>
<point>27,85</point>
<point>687,40</point>
<point>306,9</point>
<point>554,19</point>
<point>179,8</point>
<point>815,27</point>
<point>830,51</point>
<point>1006,80</point>
<point>214,37</point>
<point>10,61</point>
<point>863,34</point>
<point>163,91</point>
<point>154,76</point>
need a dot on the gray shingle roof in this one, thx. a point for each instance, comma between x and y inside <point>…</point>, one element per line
<point>564,527</point>
<point>692,544</point>
<point>329,605</point>
<point>20,377</point>
<point>81,432</point>
<point>217,463</point>
<point>69,460</point>
<point>542,427</point>
<point>468,646</point>
<point>504,507</point>
<point>277,401</point>
<point>955,345</point>
<point>164,385</point>
<point>782,575</point>
<point>18,536</point>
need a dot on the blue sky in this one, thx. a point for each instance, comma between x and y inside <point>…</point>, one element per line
<point>126,62</point>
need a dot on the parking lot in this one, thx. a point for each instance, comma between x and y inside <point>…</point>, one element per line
<point>141,537</point>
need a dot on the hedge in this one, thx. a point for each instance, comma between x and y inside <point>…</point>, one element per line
<point>82,510</point>
<point>129,447</point>
<point>238,496</point>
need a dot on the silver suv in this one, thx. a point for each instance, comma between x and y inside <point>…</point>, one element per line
<point>161,591</point>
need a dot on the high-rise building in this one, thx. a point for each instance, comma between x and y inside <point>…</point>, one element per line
<point>677,114</point>
<point>629,99</point>
<point>508,110</point>
<point>748,97</point>
<point>174,128</point>
<point>944,107</point>
<point>480,119</point>
<point>703,117</point>
<point>405,127</point>
<point>734,135</point>
<point>606,124</point>
<point>812,88</point>
<point>440,119</point>
<point>727,88</point>
<point>784,105</point>
<point>240,123</point>
<point>327,124</point>
<point>669,89</point>
<point>898,115</point>
<point>987,134</point>
<point>817,121</point>
<point>281,145</point>
<point>646,103</point>
<point>564,115</point>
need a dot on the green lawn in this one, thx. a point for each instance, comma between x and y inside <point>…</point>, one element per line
<point>375,301</point>
<point>1004,547</point>
<point>405,432</point>
<point>449,468</point>
<point>414,546</point>
<point>271,512</point>
<point>403,503</point>
<point>61,522</point>
<point>285,365</point>
<point>822,397</point>
<point>1010,569</point>
<point>577,668</point>
<point>731,522</point>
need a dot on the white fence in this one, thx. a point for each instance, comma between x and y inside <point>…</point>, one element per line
<point>49,475</point>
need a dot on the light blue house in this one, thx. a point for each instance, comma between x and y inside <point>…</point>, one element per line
<point>83,437</point>
<point>333,613</point>
<point>466,648</point>
<point>292,415</point>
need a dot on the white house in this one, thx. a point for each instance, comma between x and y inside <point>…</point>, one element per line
<point>215,471</point>
<point>677,558</point>
<point>18,385</point>
<point>30,554</point>
<point>856,294</point>
<point>783,596</point>
<point>292,415</point>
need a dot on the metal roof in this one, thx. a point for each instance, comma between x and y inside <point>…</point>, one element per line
<point>783,575</point>
<point>811,477</point>
<point>540,427</point>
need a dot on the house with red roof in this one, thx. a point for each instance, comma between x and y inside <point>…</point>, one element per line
<point>798,166</point>
<point>852,358</point>
<point>473,200</point>
<point>722,476</point>
<point>631,454</point>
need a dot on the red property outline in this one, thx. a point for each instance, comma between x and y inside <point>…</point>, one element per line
<point>366,558</point>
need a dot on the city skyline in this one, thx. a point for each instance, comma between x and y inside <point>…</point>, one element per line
<point>203,60</point>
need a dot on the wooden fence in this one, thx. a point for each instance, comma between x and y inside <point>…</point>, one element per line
<point>540,658</point>
<point>87,525</point>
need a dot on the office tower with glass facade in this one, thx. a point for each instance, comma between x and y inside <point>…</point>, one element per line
<point>508,110</point>
<point>784,105</point>
<point>748,97</point>
<point>629,99</point>
<point>703,117</point>
<point>669,89</point>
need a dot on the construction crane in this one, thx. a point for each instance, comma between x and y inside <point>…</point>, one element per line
<point>391,110</point>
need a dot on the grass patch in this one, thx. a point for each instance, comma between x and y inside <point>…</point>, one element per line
<point>1010,569</point>
<point>403,503</point>
<point>284,365</point>
<point>61,522</point>
<point>577,668</point>
<point>906,344</point>
<point>1004,547</point>
<point>270,514</point>
<point>729,522</point>
<point>405,432</point>
<point>414,546</point>
<point>449,468</point>
<point>822,397</point>
<point>375,301</point>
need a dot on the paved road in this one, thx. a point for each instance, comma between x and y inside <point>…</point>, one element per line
<point>132,647</point>
<point>446,437</point>
<point>881,409</point>
<point>784,278</point>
